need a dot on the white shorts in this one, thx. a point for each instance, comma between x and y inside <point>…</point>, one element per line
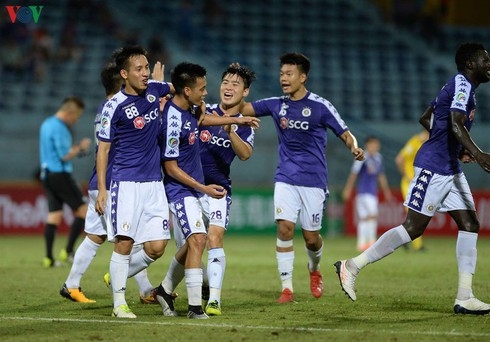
<point>94,223</point>
<point>429,192</point>
<point>366,205</point>
<point>187,218</point>
<point>139,210</point>
<point>216,211</point>
<point>291,201</point>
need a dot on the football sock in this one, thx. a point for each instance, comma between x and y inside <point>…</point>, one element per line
<point>216,271</point>
<point>118,269</point>
<point>465,286</point>
<point>49,233</point>
<point>466,251</point>
<point>75,231</point>
<point>83,257</point>
<point>205,280</point>
<point>138,262</point>
<point>466,255</point>
<point>314,258</point>
<point>174,276</point>
<point>371,230</point>
<point>385,245</point>
<point>285,261</point>
<point>193,281</point>
<point>362,234</point>
<point>143,282</point>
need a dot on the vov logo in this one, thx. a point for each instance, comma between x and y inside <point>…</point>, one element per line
<point>24,14</point>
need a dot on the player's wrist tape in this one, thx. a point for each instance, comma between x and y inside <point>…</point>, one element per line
<point>284,244</point>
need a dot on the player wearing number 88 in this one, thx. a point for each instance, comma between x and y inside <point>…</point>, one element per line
<point>138,206</point>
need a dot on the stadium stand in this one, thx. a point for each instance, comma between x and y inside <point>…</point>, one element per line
<point>372,71</point>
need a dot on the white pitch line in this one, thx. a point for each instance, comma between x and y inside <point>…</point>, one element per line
<point>258,327</point>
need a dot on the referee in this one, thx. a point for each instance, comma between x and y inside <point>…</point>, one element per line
<point>56,154</point>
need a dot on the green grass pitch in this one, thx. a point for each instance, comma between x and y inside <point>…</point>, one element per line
<point>407,296</point>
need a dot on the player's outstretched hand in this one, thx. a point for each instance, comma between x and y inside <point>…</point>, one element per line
<point>249,121</point>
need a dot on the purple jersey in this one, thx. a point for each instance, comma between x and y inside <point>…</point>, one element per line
<point>440,152</point>
<point>301,127</point>
<point>131,124</point>
<point>216,151</point>
<point>179,138</point>
<point>367,172</point>
<point>92,183</point>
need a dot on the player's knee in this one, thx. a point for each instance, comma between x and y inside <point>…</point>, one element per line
<point>470,226</point>
<point>313,240</point>
<point>55,218</point>
<point>215,240</point>
<point>81,211</point>
<point>285,230</point>
<point>155,249</point>
<point>98,239</point>
<point>197,241</point>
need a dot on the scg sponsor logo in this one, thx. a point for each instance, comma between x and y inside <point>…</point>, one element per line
<point>294,124</point>
<point>206,137</point>
<point>151,115</point>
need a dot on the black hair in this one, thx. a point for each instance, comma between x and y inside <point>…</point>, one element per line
<point>247,74</point>
<point>110,78</point>
<point>298,59</point>
<point>467,52</point>
<point>122,56</point>
<point>185,74</point>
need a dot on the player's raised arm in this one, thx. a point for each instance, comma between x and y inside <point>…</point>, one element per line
<point>217,120</point>
<point>247,109</point>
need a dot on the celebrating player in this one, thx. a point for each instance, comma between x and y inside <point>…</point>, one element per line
<point>139,211</point>
<point>219,146</point>
<point>301,119</point>
<point>95,227</point>
<point>184,183</point>
<point>439,183</point>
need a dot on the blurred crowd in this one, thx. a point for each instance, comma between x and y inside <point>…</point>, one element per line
<point>28,50</point>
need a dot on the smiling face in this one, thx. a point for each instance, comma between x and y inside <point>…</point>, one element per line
<point>232,91</point>
<point>136,75</point>
<point>481,68</point>
<point>195,95</point>
<point>292,79</point>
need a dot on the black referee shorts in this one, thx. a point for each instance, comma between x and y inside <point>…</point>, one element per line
<point>60,187</point>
